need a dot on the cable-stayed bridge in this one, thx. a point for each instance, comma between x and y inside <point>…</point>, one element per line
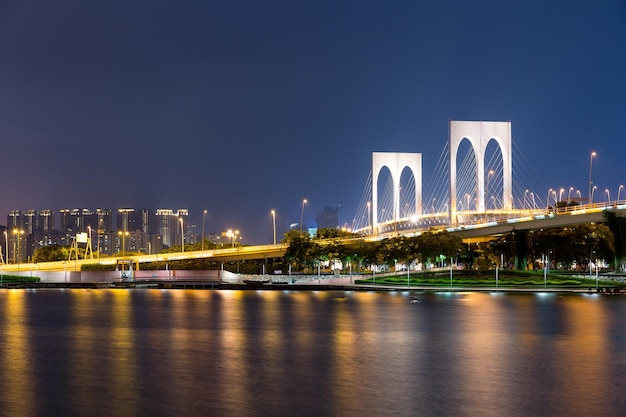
<point>480,180</point>
<point>481,186</point>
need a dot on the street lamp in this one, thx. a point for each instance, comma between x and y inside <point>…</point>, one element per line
<point>619,190</point>
<point>569,194</point>
<point>592,191</point>
<point>302,214</point>
<point>561,194</point>
<point>550,191</point>
<point>182,233</point>
<point>274,223</point>
<point>608,195</point>
<point>232,235</point>
<point>18,234</point>
<point>122,235</point>
<point>590,180</point>
<point>489,174</point>
<point>524,202</point>
<point>368,218</point>
<point>203,216</point>
<point>6,242</point>
<point>467,196</point>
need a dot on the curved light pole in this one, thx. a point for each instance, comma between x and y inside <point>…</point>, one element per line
<point>524,202</point>
<point>489,174</point>
<point>203,216</point>
<point>608,195</point>
<point>561,194</point>
<point>302,214</point>
<point>592,191</point>
<point>569,194</point>
<point>619,190</point>
<point>590,180</point>
<point>550,191</point>
<point>274,223</point>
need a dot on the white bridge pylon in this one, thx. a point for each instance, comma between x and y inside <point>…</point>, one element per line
<point>396,162</point>
<point>479,134</point>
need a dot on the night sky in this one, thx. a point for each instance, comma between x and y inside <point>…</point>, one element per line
<point>240,107</point>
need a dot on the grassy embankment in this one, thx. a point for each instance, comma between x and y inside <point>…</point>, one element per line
<point>9,279</point>
<point>506,278</point>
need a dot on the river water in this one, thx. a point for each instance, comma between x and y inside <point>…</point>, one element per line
<point>146,352</point>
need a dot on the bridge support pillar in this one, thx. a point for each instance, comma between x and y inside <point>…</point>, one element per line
<point>479,134</point>
<point>396,162</point>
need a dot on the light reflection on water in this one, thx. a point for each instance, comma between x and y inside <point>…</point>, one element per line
<point>285,353</point>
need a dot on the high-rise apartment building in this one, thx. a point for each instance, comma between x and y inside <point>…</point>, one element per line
<point>328,218</point>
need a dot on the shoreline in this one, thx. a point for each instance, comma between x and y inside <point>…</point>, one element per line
<point>218,285</point>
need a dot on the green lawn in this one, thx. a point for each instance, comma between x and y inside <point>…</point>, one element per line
<point>529,279</point>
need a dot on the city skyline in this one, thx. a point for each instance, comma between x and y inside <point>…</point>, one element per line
<point>241,108</point>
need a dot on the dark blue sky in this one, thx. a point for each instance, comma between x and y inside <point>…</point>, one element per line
<point>244,106</point>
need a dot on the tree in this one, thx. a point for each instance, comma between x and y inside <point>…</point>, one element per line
<point>617,225</point>
<point>300,248</point>
<point>51,253</point>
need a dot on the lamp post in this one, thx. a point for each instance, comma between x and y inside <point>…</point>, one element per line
<point>569,194</point>
<point>590,178</point>
<point>489,174</point>
<point>232,235</point>
<point>608,195</point>
<point>302,214</point>
<point>6,243</point>
<point>467,196</point>
<point>182,233</point>
<point>592,192</point>
<point>619,190</point>
<point>274,223</point>
<point>548,198</point>
<point>203,216</point>
<point>122,235</point>
<point>368,218</point>
<point>524,202</point>
<point>18,234</point>
<point>561,194</point>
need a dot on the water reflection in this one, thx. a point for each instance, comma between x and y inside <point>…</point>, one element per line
<point>284,353</point>
<point>16,373</point>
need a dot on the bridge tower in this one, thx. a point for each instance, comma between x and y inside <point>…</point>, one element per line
<point>479,134</point>
<point>396,162</point>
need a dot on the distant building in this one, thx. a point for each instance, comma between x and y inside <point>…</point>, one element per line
<point>327,218</point>
<point>131,230</point>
